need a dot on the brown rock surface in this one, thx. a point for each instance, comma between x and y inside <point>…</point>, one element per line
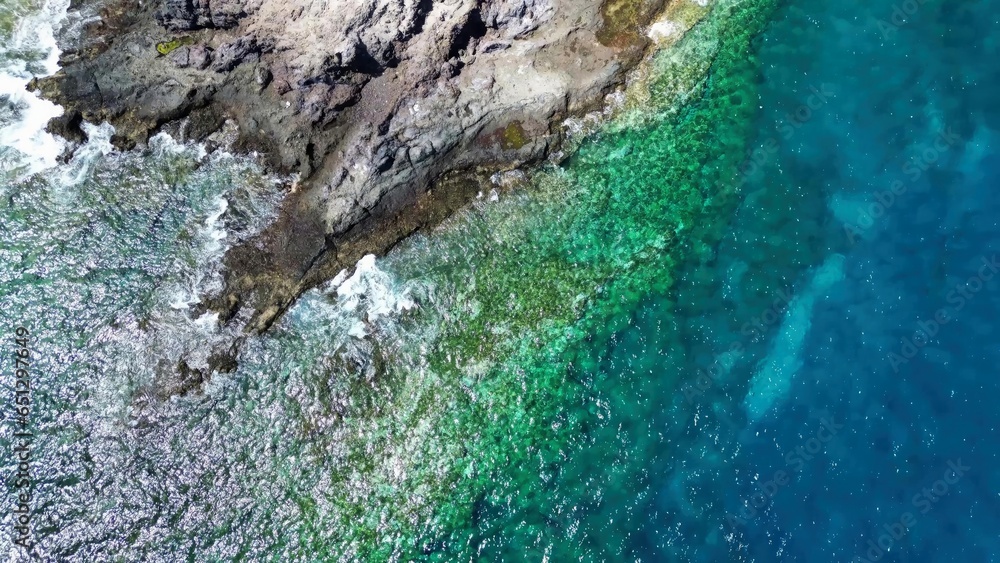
<point>372,102</point>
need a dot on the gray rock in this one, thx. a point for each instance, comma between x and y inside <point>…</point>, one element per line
<point>230,55</point>
<point>370,101</point>
<point>187,15</point>
<point>177,15</point>
<point>181,56</point>
<point>200,57</point>
<point>262,76</point>
<point>492,46</point>
<point>225,14</point>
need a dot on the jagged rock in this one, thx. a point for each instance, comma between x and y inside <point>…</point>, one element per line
<point>225,14</point>
<point>263,76</point>
<point>230,55</point>
<point>322,101</point>
<point>181,56</point>
<point>177,15</point>
<point>517,18</point>
<point>370,101</point>
<point>493,46</point>
<point>187,15</point>
<point>200,57</point>
<point>67,126</point>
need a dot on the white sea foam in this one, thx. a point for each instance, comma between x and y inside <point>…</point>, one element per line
<point>214,231</point>
<point>87,155</point>
<point>162,143</point>
<point>211,236</point>
<point>35,33</point>
<point>372,295</point>
<point>353,312</point>
<point>663,30</point>
<point>215,234</point>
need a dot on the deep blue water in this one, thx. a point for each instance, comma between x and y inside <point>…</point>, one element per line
<point>866,415</point>
<point>836,350</point>
<point>913,98</point>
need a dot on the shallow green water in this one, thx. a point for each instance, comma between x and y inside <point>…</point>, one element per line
<point>472,419</point>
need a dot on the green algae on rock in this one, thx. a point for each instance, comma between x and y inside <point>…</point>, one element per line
<point>625,21</point>
<point>166,47</point>
<point>513,137</point>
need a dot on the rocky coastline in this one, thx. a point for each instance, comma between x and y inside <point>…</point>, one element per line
<point>393,114</point>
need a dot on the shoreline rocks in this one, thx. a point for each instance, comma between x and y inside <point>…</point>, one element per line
<point>392,112</point>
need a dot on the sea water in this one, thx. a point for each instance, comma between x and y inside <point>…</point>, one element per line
<point>750,318</point>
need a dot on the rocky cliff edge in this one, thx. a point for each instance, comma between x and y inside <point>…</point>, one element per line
<point>391,112</point>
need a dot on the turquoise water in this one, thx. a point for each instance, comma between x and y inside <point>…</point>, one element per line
<point>614,362</point>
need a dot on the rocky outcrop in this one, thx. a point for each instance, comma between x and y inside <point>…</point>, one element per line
<point>389,110</point>
<point>183,15</point>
